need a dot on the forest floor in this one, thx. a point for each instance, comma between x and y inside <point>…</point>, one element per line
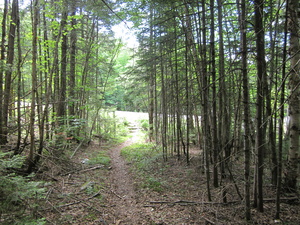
<point>111,192</point>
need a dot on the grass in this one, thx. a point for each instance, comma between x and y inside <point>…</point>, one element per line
<point>100,158</point>
<point>143,156</point>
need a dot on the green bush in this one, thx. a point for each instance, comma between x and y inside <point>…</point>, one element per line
<point>144,124</point>
<point>17,193</point>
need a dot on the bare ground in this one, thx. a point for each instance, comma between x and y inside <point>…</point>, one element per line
<point>95,194</point>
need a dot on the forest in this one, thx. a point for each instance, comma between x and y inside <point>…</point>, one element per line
<point>219,80</point>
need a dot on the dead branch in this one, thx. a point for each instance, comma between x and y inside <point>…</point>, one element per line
<point>116,194</point>
<point>93,168</point>
<point>185,202</point>
<point>208,220</point>
<point>84,170</point>
<point>76,149</point>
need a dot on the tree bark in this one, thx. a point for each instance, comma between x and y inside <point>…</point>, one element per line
<point>260,98</point>
<point>73,40</point>
<point>17,148</point>
<point>246,105</point>
<point>33,83</point>
<point>214,132</point>
<point>290,182</point>
<point>61,109</point>
<point>8,74</point>
<point>3,138</point>
<point>281,122</point>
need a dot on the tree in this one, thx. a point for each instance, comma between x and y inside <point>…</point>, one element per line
<point>260,102</point>
<point>246,100</point>
<point>73,40</point>
<point>61,107</point>
<point>9,62</point>
<point>3,138</point>
<point>35,16</point>
<point>294,103</point>
<point>281,121</point>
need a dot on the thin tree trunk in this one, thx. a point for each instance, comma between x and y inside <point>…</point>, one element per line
<point>17,149</point>
<point>33,83</point>
<point>224,106</point>
<point>3,138</point>
<point>281,123</point>
<point>291,175</point>
<point>73,40</point>
<point>246,101</point>
<point>215,146</point>
<point>261,77</point>
<point>61,110</point>
<point>152,77</point>
<point>9,62</point>
<point>205,105</point>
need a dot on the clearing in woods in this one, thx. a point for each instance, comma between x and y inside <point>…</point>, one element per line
<point>111,192</point>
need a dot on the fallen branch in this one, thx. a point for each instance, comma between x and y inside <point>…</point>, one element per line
<point>76,149</point>
<point>84,170</point>
<point>93,168</point>
<point>185,202</point>
<point>208,220</point>
<point>116,194</point>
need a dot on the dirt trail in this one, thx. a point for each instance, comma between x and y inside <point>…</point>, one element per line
<point>94,194</point>
<point>124,197</point>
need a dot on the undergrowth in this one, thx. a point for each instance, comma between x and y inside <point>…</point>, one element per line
<point>143,157</point>
<point>19,195</point>
<point>100,157</point>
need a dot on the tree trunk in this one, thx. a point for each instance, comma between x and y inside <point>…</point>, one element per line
<point>3,138</point>
<point>33,83</point>
<point>205,103</point>
<point>17,149</point>
<point>9,62</point>
<point>281,122</point>
<point>61,110</point>
<point>152,77</point>
<point>73,40</point>
<point>246,101</point>
<point>214,127</point>
<point>260,98</point>
<point>290,182</point>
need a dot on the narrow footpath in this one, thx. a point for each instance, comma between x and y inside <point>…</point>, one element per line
<point>124,199</point>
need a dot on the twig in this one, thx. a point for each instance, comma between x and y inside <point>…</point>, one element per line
<point>208,220</point>
<point>116,194</point>
<point>76,149</point>
<point>84,170</point>
<point>89,169</point>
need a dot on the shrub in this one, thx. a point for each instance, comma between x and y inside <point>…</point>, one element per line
<point>17,193</point>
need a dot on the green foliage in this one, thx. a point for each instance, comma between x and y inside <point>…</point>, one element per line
<point>17,193</point>
<point>153,184</point>
<point>101,158</point>
<point>109,127</point>
<point>144,124</point>
<point>6,161</point>
<point>139,153</point>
